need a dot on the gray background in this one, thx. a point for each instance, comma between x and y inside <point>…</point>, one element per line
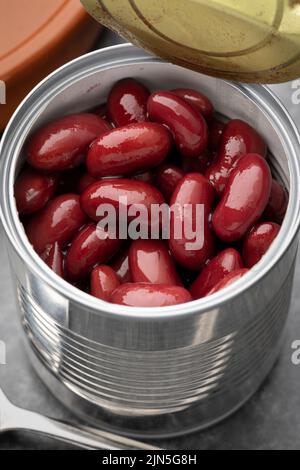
<point>270,420</point>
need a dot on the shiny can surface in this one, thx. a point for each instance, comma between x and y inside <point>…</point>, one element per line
<point>151,372</point>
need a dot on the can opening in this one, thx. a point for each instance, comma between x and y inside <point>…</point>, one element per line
<point>78,86</point>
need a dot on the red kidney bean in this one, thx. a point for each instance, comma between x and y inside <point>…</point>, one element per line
<point>111,190</point>
<point>193,189</point>
<point>91,246</point>
<point>84,182</point>
<point>238,139</point>
<point>227,280</point>
<point>33,190</point>
<point>128,149</point>
<point>188,126</point>
<point>245,198</point>
<point>150,261</point>
<point>258,241</point>
<point>199,164</point>
<point>57,222</point>
<point>277,205</point>
<point>167,178</point>
<point>149,295</point>
<point>218,267</point>
<point>54,258</point>
<point>215,128</point>
<point>103,282</point>
<point>62,144</point>
<point>120,265</point>
<point>197,100</point>
<point>127,102</point>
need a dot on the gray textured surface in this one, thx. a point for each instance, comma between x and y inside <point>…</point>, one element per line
<point>270,420</point>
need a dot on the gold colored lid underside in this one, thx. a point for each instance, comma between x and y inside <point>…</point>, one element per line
<point>249,41</point>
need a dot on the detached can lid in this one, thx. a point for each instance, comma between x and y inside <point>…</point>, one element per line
<point>244,40</point>
<point>36,37</point>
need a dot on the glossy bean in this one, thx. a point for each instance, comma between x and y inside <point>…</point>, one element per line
<point>127,102</point>
<point>238,139</point>
<point>196,244</point>
<point>111,191</point>
<point>57,222</point>
<point>33,190</point>
<point>91,246</point>
<point>217,268</point>
<point>149,295</point>
<point>54,258</point>
<point>103,282</point>
<point>258,241</point>
<point>62,144</point>
<point>150,261</point>
<point>186,124</point>
<point>245,198</point>
<point>277,205</point>
<point>166,179</point>
<point>227,280</point>
<point>198,100</point>
<point>128,149</point>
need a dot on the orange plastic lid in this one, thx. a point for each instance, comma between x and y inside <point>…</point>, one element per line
<point>36,36</point>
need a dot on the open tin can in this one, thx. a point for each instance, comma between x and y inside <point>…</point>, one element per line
<point>160,371</point>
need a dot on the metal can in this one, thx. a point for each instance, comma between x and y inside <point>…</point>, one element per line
<point>161,371</point>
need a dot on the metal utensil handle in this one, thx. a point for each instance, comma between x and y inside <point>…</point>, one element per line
<point>82,436</point>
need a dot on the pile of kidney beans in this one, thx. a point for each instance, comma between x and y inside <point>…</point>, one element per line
<point>167,146</point>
